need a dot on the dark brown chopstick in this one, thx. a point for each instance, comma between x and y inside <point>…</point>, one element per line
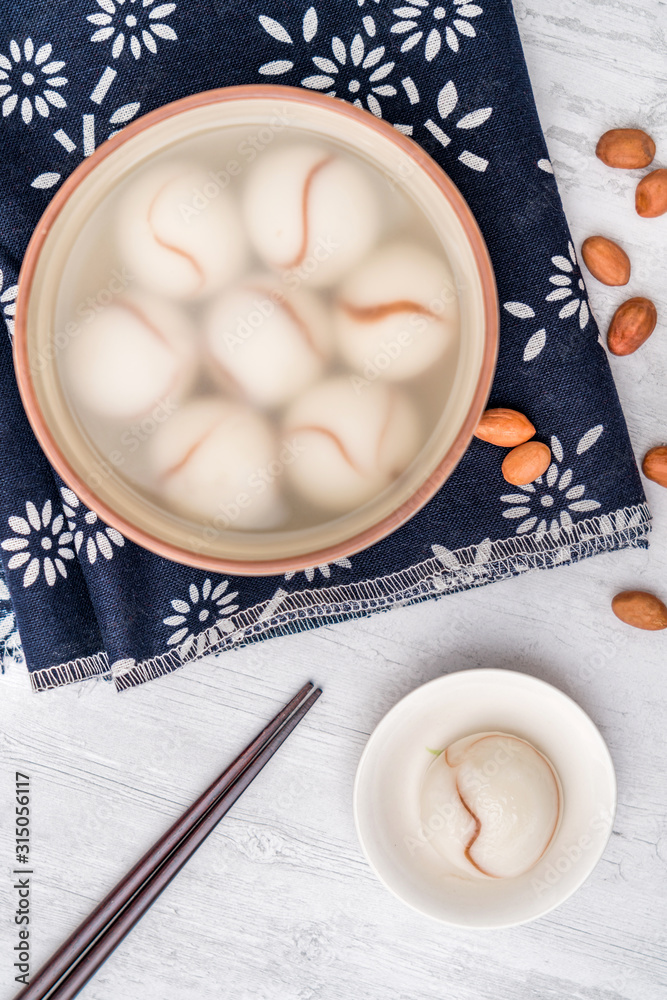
<point>149,892</point>
<point>116,914</point>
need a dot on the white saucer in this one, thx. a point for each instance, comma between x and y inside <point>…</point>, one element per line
<point>392,766</point>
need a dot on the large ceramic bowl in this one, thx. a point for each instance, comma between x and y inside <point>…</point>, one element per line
<point>66,444</point>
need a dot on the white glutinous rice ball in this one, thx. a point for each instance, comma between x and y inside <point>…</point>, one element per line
<point>212,461</point>
<point>267,343</point>
<point>310,210</point>
<point>134,354</point>
<point>349,444</point>
<point>492,804</point>
<point>397,313</point>
<point>180,233</point>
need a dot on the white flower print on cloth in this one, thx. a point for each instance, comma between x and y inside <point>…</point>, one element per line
<point>134,22</point>
<point>203,619</point>
<point>356,71</point>
<point>448,98</point>
<point>40,544</point>
<point>10,640</point>
<point>548,502</point>
<point>569,285</point>
<point>90,127</point>
<point>8,303</point>
<point>479,571</point>
<point>366,73</point>
<point>30,80</point>
<point>535,345</point>
<point>324,569</point>
<point>86,528</point>
<point>419,19</point>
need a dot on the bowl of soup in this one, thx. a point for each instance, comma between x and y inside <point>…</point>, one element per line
<point>256,330</point>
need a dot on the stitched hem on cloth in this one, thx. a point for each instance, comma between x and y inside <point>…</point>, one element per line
<point>446,573</point>
<point>68,673</point>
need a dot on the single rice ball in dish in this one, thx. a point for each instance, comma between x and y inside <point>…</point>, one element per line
<point>493,805</point>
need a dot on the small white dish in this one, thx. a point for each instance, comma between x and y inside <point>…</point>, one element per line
<point>392,767</point>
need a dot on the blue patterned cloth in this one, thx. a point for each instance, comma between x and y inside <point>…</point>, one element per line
<point>452,75</point>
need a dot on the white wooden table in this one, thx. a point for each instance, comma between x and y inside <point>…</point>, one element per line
<point>279,904</point>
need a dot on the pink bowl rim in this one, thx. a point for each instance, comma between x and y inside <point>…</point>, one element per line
<point>421,496</point>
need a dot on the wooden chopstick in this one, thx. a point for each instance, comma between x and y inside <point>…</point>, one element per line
<point>116,914</point>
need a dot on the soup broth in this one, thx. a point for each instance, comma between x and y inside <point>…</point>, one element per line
<point>263,331</point>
